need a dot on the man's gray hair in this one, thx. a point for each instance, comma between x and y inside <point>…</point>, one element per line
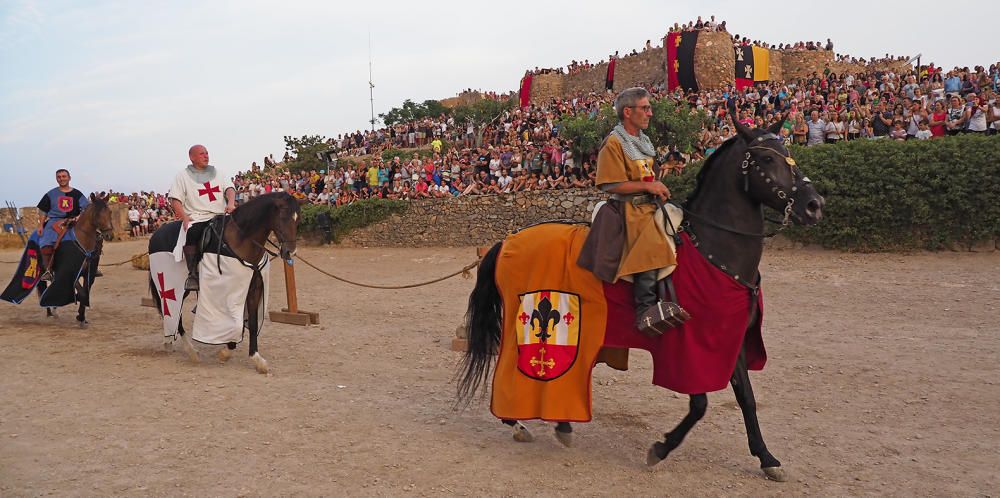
<point>628,98</point>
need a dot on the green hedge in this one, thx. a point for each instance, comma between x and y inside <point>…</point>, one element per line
<point>884,195</point>
<point>343,219</point>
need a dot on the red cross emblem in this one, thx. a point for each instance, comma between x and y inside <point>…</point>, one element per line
<point>165,294</point>
<point>209,190</point>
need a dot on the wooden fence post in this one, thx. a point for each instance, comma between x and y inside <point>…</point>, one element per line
<point>292,314</point>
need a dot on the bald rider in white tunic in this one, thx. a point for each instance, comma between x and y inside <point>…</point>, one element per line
<point>198,194</point>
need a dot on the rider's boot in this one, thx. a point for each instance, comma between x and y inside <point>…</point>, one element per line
<point>191,258</point>
<point>47,263</point>
<point>644,292</point>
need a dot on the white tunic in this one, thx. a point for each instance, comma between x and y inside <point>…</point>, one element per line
<point>202,193</point>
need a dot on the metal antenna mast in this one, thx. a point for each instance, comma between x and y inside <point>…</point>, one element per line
<point>371,86</point>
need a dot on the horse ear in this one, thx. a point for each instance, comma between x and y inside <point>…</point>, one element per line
<point>92,197</point>
<point>741,129</point>
<point>775,128</point>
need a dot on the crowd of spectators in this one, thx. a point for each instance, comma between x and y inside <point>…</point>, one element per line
<point>523,150</point>
<point>520,151</point>
<point>146,210</point>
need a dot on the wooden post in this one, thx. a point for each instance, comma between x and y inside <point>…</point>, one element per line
<point>292,314</point>
<point>461,341</point>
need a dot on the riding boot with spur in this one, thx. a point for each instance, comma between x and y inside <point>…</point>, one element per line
<point>191,258</point>
<point>644,292</point>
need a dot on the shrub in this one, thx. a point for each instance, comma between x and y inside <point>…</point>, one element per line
<point>884,195</point>
<point>343,219</point>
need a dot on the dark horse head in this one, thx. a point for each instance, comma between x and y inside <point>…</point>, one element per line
<point>771,177</point>
<point>276,212</point>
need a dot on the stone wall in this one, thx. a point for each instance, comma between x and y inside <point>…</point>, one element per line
<point>714,60</point>
<point>475,220</point>
<point>796,64</point>
<point>715,67</point>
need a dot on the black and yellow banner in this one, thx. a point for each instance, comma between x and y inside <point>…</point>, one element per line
<point>753,64</point>
<point>680,60</point>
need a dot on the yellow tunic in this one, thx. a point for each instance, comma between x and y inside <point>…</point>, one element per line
<point>646,246</point>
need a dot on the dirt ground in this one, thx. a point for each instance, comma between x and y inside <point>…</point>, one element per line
<point>882,379</point>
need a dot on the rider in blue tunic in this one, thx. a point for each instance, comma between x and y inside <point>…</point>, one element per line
<point>57,206</point>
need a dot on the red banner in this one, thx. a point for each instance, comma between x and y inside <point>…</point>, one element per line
<point>671,42</point>
<point>526,90</point>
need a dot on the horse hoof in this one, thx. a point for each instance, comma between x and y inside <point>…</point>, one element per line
<point>522,434</point>
<point>225,354</point>
<point>82,323</point>
<point>259,363</point>
<point>191,352</point>
<point>168,346</point>
<point>566,438</point>
<point>652,458</point>
<point>775,474</point>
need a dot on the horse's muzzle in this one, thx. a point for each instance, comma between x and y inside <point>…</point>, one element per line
<point>107,236</point>
<point>812,211</point>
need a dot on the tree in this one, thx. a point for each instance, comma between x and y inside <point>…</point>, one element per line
<point>671,124</point>
<point>482,111</point>
<point>676,124</point>
<point>307,152</point>
<point>411,111</point>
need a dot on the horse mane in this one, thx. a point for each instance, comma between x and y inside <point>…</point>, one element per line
<point>705,168</point>
<point>255,210</point>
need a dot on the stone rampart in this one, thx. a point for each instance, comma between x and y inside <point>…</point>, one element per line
<point>475,220</point>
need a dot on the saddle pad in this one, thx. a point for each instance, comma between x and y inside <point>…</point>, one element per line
<point>553,326</point>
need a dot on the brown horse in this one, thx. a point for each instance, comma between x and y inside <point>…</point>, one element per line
<point>91,228</point>
<point>725,222</point>
<point>244,235</point>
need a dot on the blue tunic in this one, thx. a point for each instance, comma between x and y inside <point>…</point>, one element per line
<point>57,206</point>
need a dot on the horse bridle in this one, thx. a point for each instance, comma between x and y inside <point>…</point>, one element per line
<point>750,163</point>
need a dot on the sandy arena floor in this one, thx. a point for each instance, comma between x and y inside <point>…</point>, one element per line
<point>882,380</point>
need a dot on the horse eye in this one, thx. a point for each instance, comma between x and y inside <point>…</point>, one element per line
<point>768,159</point>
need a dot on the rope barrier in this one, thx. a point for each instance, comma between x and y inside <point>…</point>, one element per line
<point>464,272</point>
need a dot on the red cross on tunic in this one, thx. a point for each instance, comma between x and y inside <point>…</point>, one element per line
<point>209,190</point>
<point>165,294</point>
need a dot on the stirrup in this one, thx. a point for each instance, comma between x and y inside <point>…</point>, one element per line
<point>46,277</point>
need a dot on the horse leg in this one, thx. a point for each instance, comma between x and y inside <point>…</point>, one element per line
<point>50,312</point>
<point>696,410</point>
<point>83,297</point>
<point>187,344</point>
<point>254,296</point>
<point>226,352</point>
<point>520,432</point>
<point>564,433</point>
<point>748,405</point>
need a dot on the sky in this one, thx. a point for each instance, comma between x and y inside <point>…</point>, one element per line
<point>117,91</point>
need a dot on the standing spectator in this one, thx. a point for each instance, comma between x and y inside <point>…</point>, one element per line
<point>817,129</point>
<point>975,115</point>
<point>937,120</point>
<point>133,220</point>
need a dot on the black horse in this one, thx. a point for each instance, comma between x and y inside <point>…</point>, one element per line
<point>76,262</point>
<point>244,235</point>
<point>724,216</point>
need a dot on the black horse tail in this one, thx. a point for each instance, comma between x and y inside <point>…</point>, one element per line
<point>482,325</point>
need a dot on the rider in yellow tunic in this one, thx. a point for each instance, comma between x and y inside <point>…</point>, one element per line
<point>624,238</point>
